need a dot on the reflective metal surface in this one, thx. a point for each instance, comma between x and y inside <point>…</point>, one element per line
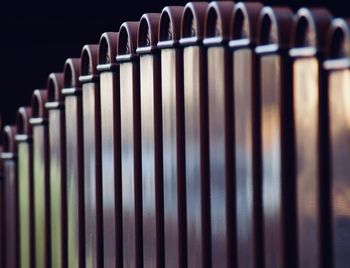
<point>248,190</point>
<point>339,118</point>
<point>75,182</point>
<point>306,107</point>
<point>41,196</point>
<point>131,177</point>
<point>57,188</point>
<point>92,174</point>
<point>25,195</point>
<point>271,156</point>
<point>111,169</point>
<point>11,212</point>
<point>174,191</point>
<point>151,142</point>
<point>221,159</point>
<point>197,196</point>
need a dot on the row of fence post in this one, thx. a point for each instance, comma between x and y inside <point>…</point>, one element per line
<point>210,135</point>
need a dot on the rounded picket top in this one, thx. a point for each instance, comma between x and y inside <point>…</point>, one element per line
<point>338,45</point>
<point>274,28</point>
<point>89,61</point>
<point>147,37</point>
<point>127,41</point>
<point>108,48</point>
<point>193,23</point>
<point>39,112</point>
<point>217,22</point>
<point>311,27</point>
<point>9,145</point>
<point>169,32</point>
<point>22,121</point>
<point>55,84</point>
<point>71,71</point>
<point>244,25</point>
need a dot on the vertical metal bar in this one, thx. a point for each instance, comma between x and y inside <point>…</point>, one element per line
<point>196,135</point>
<point>57,149</point>
<point>339,116</point>
<point>173,138</point>
<point>75,164</point>
<point>247,136</point>
<point>8,157</point>
<point>306,101</point>
<point>220,116</point>
<point>276,137</point>
<point>151,141</point>
<point>338,67</point>
<point>25,188</point>
<point>130,145</point>
<point>311,171</point>
<point>92,156</point>
<point>111,159</point>
<point>41,180</point>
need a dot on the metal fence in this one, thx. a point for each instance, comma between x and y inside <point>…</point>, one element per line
<point>211,135</point>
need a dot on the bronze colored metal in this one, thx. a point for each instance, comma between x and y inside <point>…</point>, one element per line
<point>111,154</point>
<point>338,67</point>
<point>174,183</point>
<point>41,184</point>
<point>25,188</point>
<point>278,183</point>
<point>310,97</point>
<point>151,141</point>
<point>247,135</point>
<point>89,80</point>
<point>10,195</point>
<point>75,164</point>
<point>221,138</point>
<point>57,151</point>
<point>196,135</point>
<point>130,126</point>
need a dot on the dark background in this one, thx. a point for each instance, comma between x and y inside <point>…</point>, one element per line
<point>36,38</point>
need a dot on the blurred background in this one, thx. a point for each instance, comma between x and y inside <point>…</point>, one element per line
<point>37,38</point>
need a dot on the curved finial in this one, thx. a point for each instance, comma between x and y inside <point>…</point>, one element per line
<point>72,72</point>
<point>9,144</point>
<point>244,25</point>
<point>55,84</point>
<point>108,48</point>
<point>39,112</point>
<point>339,39</point>
<point>193,22</point>
<point>23,116</point>
<point>169,32</point>
<point>89,61</point>
<point>274,28</point>
<point>127,41</point>
<point>217,26</point>
<point>147,37</point>
<point>311,28</point>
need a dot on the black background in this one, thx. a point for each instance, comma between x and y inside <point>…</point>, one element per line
<point>36,38</point>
